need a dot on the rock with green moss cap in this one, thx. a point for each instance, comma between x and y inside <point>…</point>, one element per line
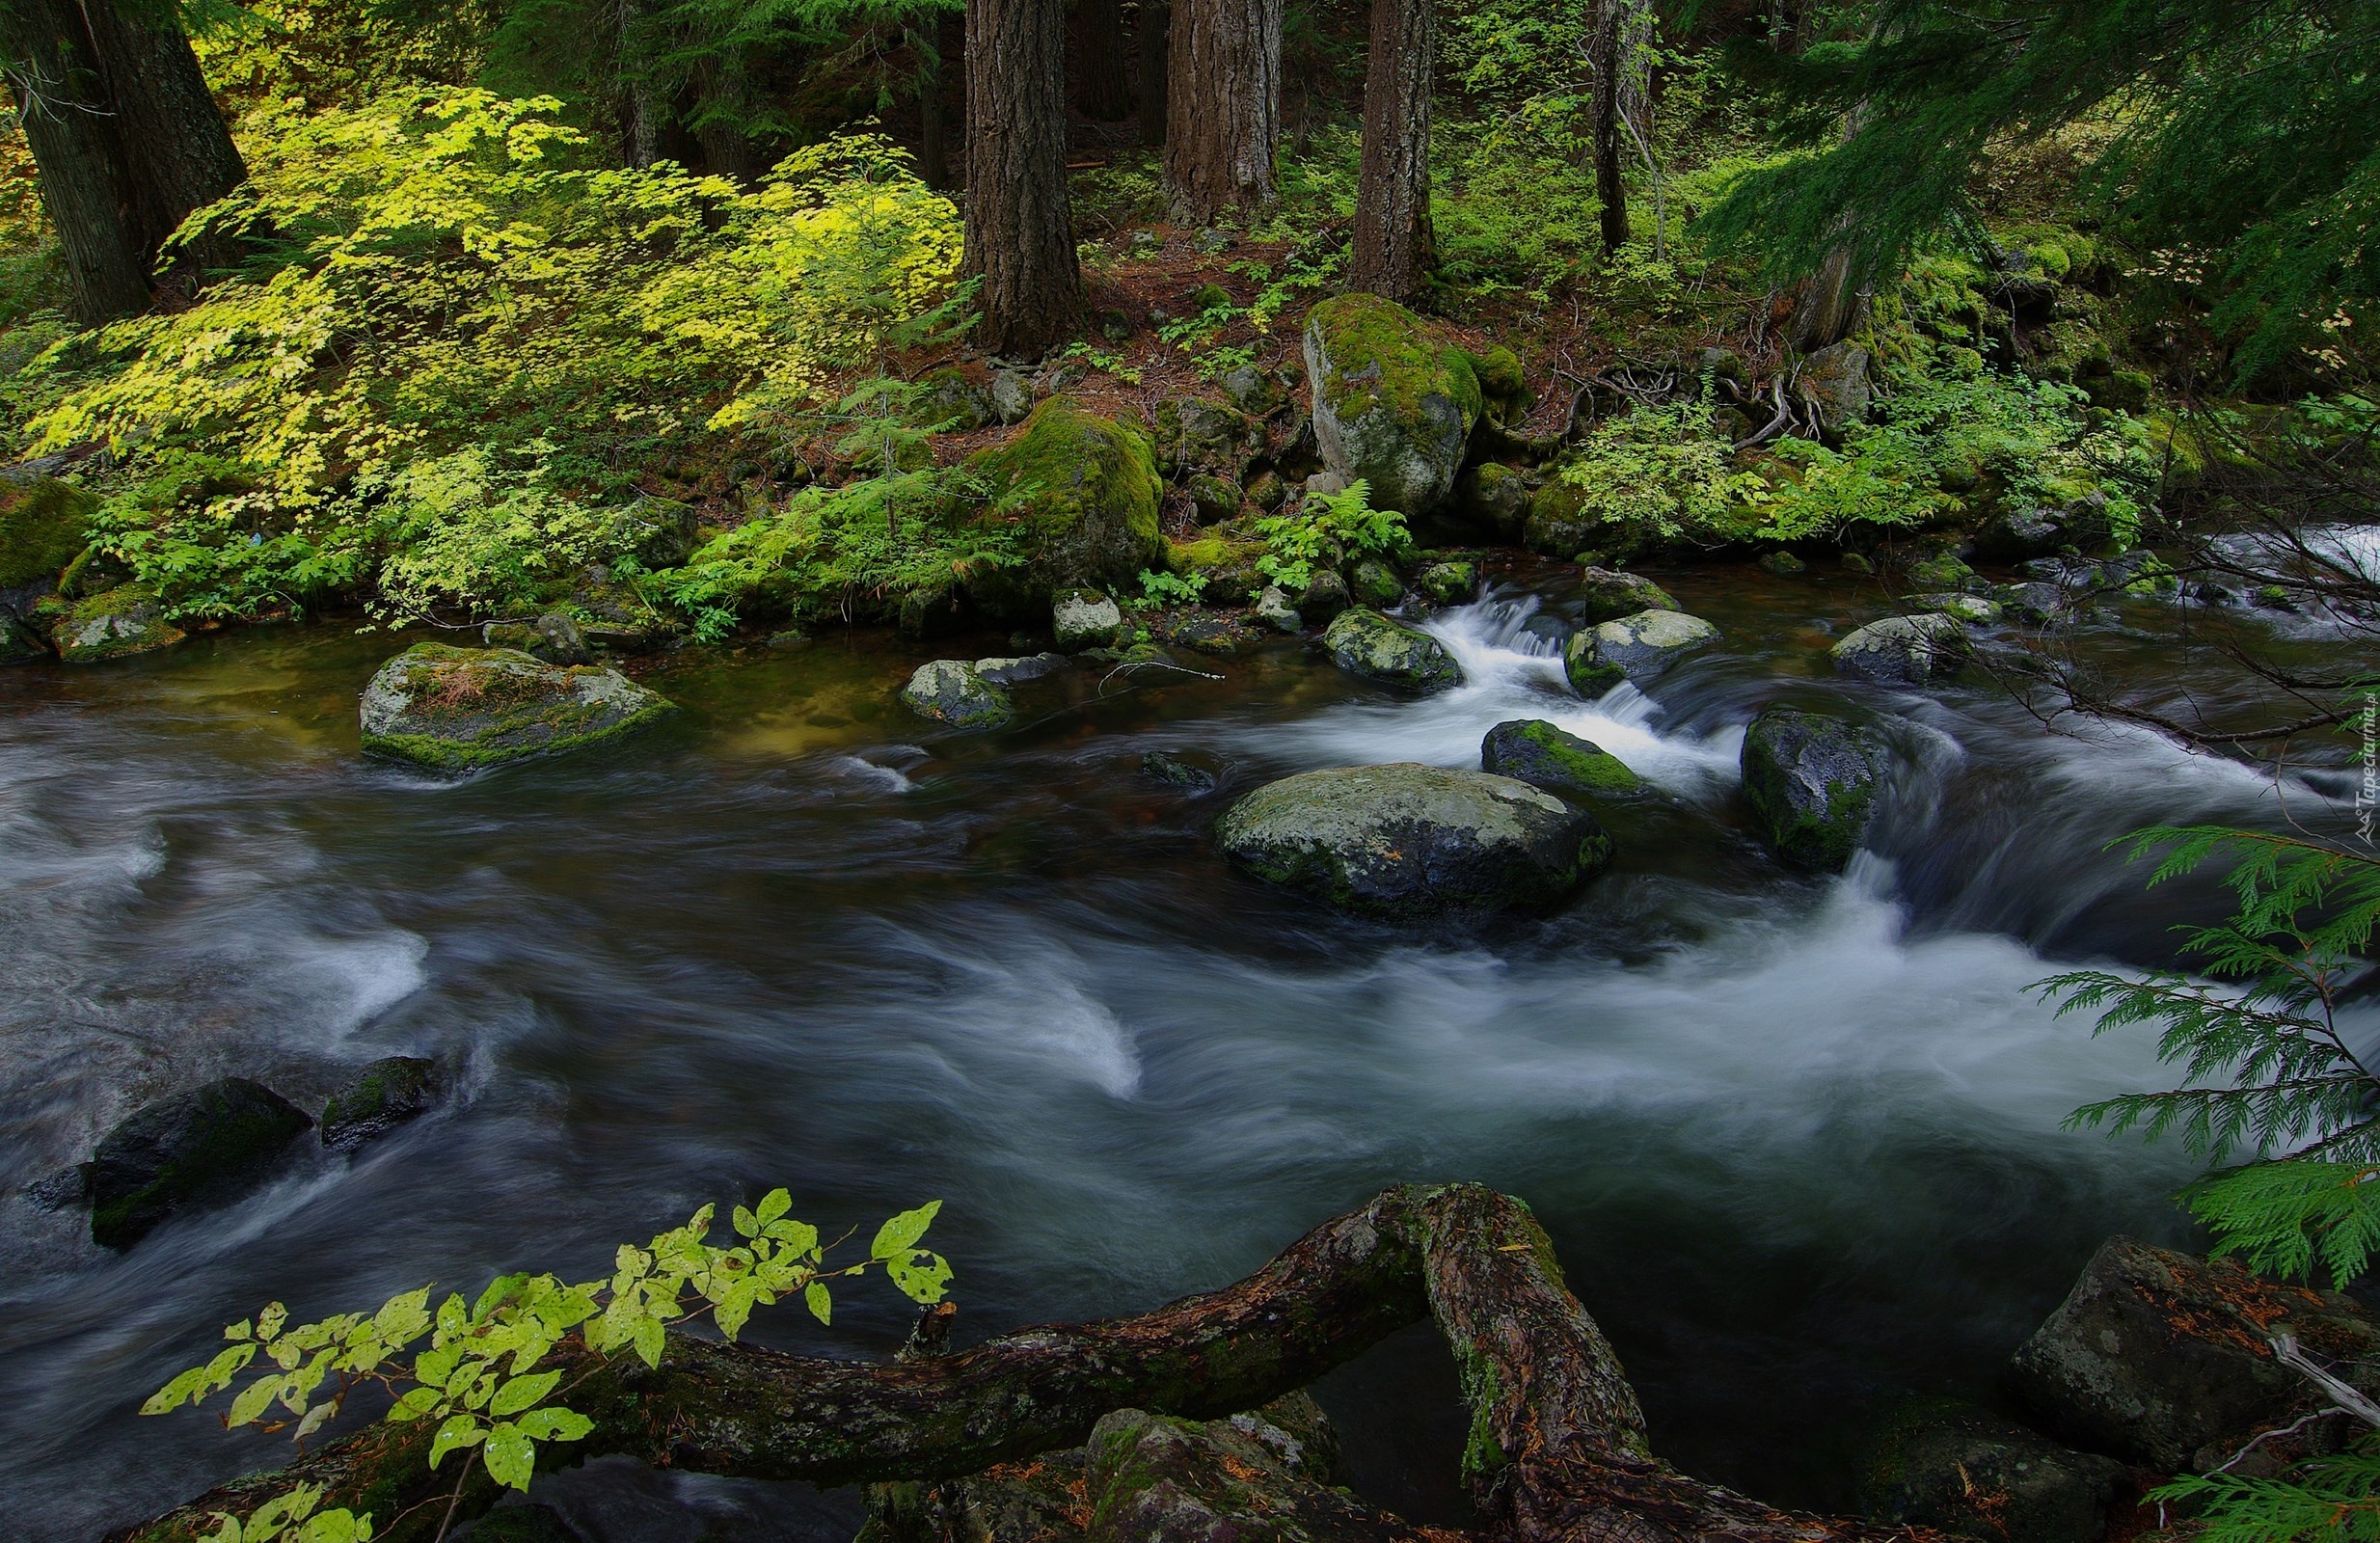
<point>1631,648</point>
<point>129,619</point>
<point>1948,1465</point>
<point>205,1147</point>
<point>1374,583</point>
<point>1450,583</point>
<point>382,1096</point>
<point>1974,609</point>
<point>1364,642</point>
<point>1610,593</point>
<point>1085,618</point>
<point>1906,650</point>
<point>460,709</point>
<point>44,522</point>
<point>1409,841</point>
<point>1274,611</point>
<point>1192,435</point>
<point>1157,1478</point>
<point>1080,491</point>
<point>1391,406</point>
<point>1812,781</point>
<point>1942,571</point>
<point>955,692</point>
<point>1546,755</point>
<point>1495,497</point>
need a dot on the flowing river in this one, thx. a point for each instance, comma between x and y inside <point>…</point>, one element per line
<point>1798,1141</point>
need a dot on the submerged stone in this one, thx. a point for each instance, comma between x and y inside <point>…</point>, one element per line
<point>205,1147</point>
<point>1410,841</point>
<point>458,708</point>
<point>1363,643</point>
<point>379,1099</point>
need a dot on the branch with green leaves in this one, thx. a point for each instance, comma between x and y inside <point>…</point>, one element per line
<point>485,1375</point>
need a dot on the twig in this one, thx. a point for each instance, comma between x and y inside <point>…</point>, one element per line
<point>2350,1400</point>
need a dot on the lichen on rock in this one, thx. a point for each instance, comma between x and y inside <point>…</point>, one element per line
<point>1364,642</point>
<point>460,709</point>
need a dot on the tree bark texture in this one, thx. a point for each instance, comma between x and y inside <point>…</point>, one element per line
<point>1154,27</point>
<point>1393,248</point>
<point>1557,1455</point>
<point>1222,107</point>
<point>1103,75</point>
<point>1610,192</point>
<point>1830,304</point>
<point>1019,225</point>
<point>178,150</point>
<point>62,103</point>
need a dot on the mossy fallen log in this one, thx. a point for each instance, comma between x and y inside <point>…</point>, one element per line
<point>1556,1447</point>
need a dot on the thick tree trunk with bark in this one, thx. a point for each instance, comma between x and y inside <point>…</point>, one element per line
<point>1019,225</point>
<point>1393,249</point>
<point>62,103</point>
<point>1557,1451</point>
<point>1103,75</point>
<point>1609,190</point>
<point>1222,107</point>
<point>640,109</point>
<point>723,103</point>
<point>1156,27</point>
<point>178,150</point>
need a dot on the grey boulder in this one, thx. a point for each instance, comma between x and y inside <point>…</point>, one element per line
<point>1906,650</point>
<point>1812,782</point>
<point>1364,642</point>
<point>1632,648</point>
<point>952,692</point>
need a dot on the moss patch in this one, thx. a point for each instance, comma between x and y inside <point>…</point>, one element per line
<point>1082,491</point>
<point>43,523</point>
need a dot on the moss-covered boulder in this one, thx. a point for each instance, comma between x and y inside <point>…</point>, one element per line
<point>1546,755</point>
<point>554,637</point>
<point>1374,583</point>
<point>205,1147</point>
<point>1495,497</point>
<point>1085,618</point>
<point>1948,1465</point>
<point>1364,642</point>
<point>1812,781</point>
<point>45,523</point>
<point>1453,583</point>
<point>1410,841</point>
<point>19,642</point>
<point>1610,593</point>
<point>1081,491</point>
<point>954,693</point>
<point>129,619</point>
<point>1391,405</point>
<point>377,1099</point>
<point>460,709</point>
<point>1906,650</point>
<point>1155,1479</point>
<point>1192,435</point>
<point>1942,571</point>
<point>1631,648</point>
<point>1976,611</point>
<point>1225,557</point>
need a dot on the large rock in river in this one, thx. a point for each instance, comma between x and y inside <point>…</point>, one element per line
<point>1610,593</point>
<point>1364,642</point>
<point>954,691</point>
<point>204,1147</point>
<point>1081,491</point>
<point>1906,650</point>
<point>1632,648</point>
<point>2166,1359</point>
<point>1413,841</point>
<point>1389,405</point>
<point>1812,782</point>
<point>456,709</point>
<point>377,1099</point>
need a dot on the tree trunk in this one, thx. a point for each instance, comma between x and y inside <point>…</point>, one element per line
<point>723,105</point>
<point>932,148</point>
<point>54,75</point>
<point>1609,190</point>
<point>178,150</point>
<point>1156,27</point>
<point>640,115</point>
<point>1558,1451</point>
<point>1020,225</point>
<point>1223,111</point>
<point>1830,304</point>
<point>1103,79</point>
<point>1393,249</point>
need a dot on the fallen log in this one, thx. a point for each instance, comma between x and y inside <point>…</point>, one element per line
<point>1556,1447</point>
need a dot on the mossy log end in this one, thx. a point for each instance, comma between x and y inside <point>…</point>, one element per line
<point>1556,1449</point>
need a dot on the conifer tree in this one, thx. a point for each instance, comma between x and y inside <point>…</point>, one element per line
<point>1223,111</point>
<point>1394,246</point>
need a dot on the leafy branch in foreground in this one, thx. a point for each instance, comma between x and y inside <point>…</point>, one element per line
<point>2268,1067</point>
<point>482,1376</point>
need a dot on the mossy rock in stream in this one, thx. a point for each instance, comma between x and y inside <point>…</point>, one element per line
<point>1812,781</point>
<point>1546,755</point>
<point>1364,642</point>
<point>128,619</point>
<point>204,1147</point>
<point>1410,841</point>
<point>1082,491</point>
<point>1391,405</point>
<point>45,523</point>
<point>1631,648</point>
<point>461,709</point>
<point>385,1094</point>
